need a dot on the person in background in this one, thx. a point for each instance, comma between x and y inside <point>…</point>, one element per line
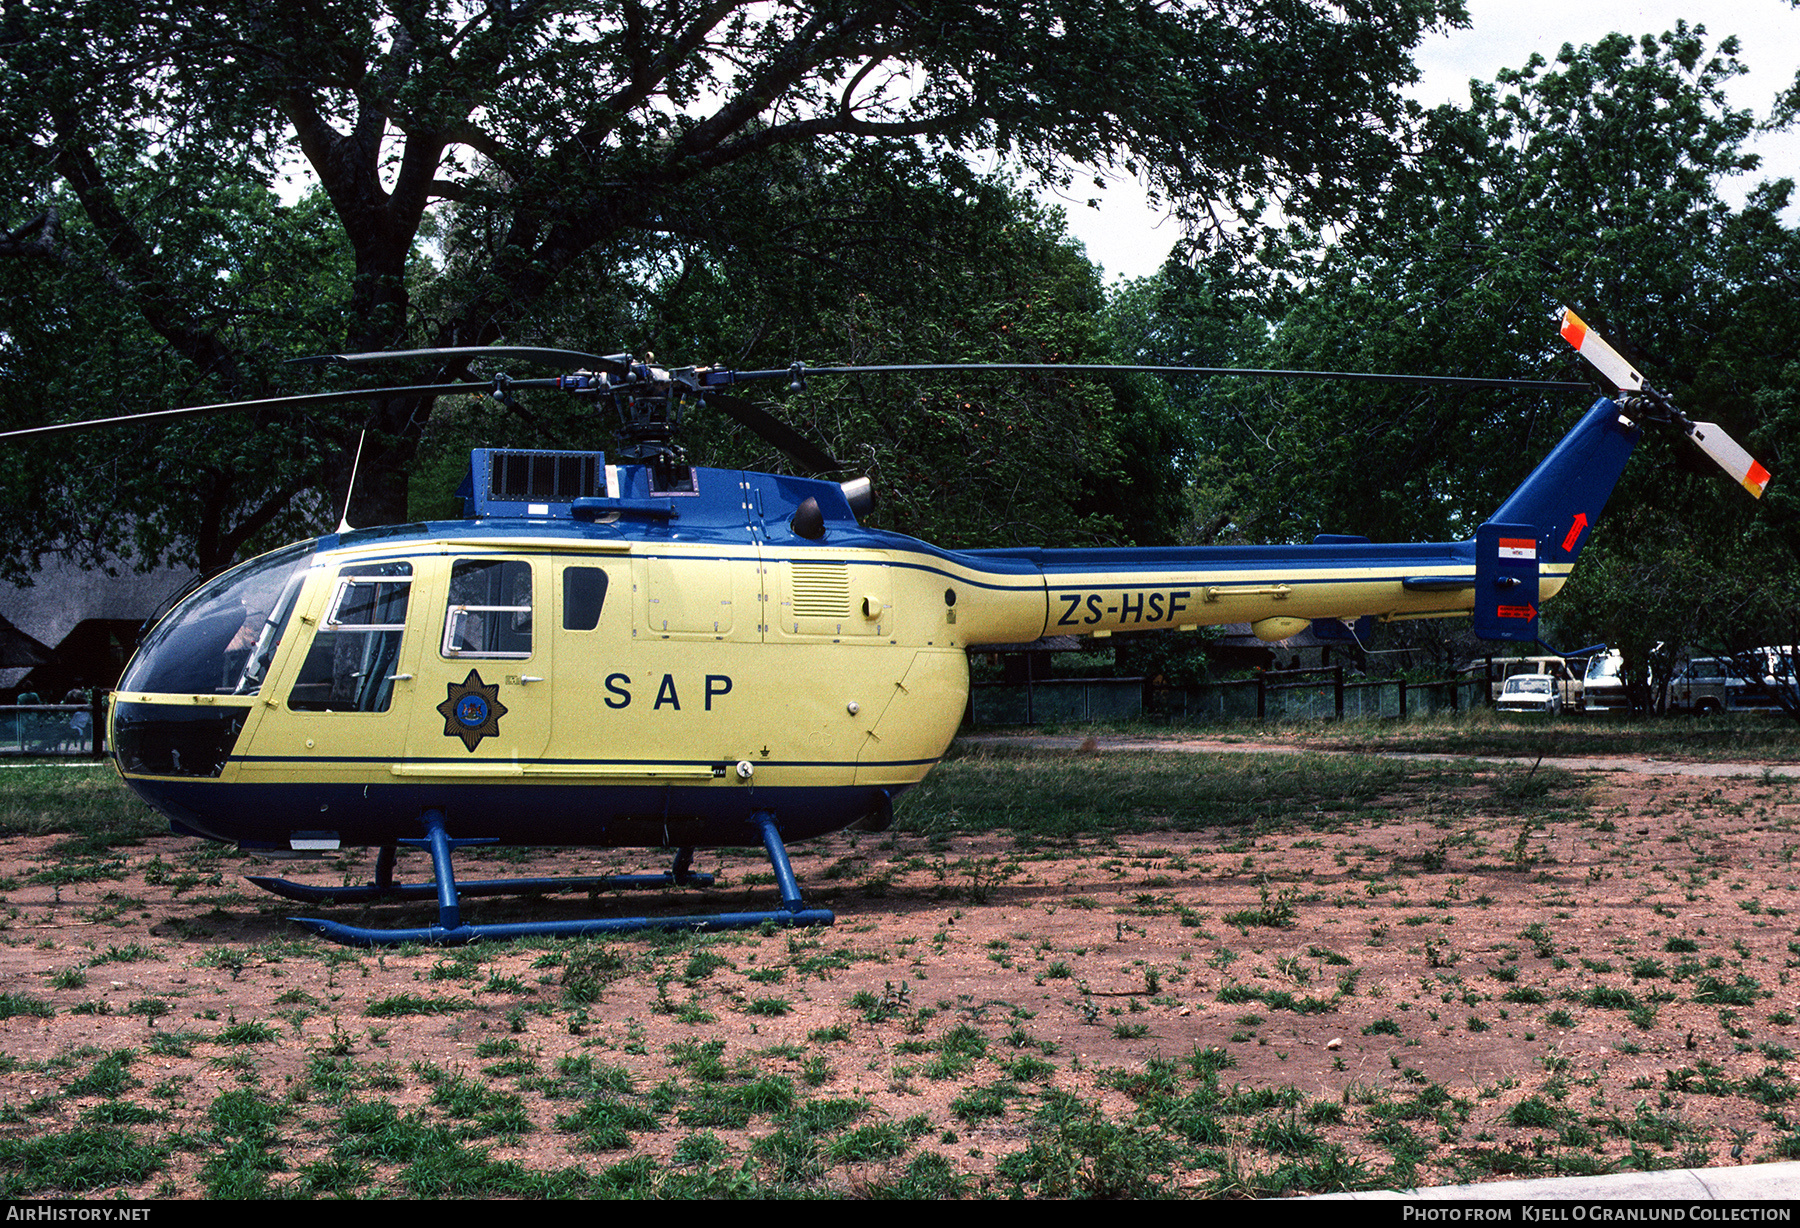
<point>81,724</point>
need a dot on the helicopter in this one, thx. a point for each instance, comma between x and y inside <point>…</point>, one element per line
<point>630,651</point>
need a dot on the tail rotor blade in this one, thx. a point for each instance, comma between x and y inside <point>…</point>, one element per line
<point>1593,347</point>
<point>1731,457</point>
<point>1709,437</point>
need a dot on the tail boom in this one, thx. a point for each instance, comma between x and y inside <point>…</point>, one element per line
<point>1535,538</point>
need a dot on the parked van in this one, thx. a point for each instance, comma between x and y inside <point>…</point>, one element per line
<point>1567,677</point>
<point>1710,684</point>
<point>1603,686</point>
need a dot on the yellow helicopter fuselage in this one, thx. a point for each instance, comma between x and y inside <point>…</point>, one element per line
<point>651,667</point>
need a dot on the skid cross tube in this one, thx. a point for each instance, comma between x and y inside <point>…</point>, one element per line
<point>451,931</point>
<point>378,892</point>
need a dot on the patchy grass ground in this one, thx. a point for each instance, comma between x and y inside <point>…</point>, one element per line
<point>1735,737</point>
<point>1062,974</point>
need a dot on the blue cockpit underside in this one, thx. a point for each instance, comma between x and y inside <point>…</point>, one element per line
<point>591,815</point>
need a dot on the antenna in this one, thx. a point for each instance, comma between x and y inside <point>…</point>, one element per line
<point>344,520</point>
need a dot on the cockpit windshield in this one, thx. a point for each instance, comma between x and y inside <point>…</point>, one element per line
<point>220,640</point>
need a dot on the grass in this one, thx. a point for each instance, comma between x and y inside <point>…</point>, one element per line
<point>110,1076</point>
<point>607,1124</point>
<point>1738,736</point>
<point>1259,878</point>
<point>1039,796</point>
<point>90,807</point>
<point>13,1005</point>
<point>1076,1151</point>
<point>415,1004</point>
<point>249,1032</point>
<point>76,1161</point>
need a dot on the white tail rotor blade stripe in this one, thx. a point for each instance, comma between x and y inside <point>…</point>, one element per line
<point>1593,347</point>
<point>1732,458</point>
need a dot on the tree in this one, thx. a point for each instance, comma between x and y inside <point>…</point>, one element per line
<point>937,264</point>
<point>73,342</point>
<point>1209,314</point>
<point>601,130</point>
<point>1592,182</point>
<point>1654,589</point>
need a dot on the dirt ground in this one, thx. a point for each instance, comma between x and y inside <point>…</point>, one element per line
<point>1432,994</point>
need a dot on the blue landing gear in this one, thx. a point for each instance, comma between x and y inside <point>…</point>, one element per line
<point>450,930</point>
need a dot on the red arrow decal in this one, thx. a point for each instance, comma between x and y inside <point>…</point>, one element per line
<point>1516,611</point>
<point>1575,532</point>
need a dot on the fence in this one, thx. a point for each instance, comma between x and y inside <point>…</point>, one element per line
<point>1061,699</point>
<point>1293,695</point>
<point>54,729</point>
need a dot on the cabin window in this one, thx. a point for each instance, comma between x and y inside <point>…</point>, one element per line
<point>351,666</point>
<point>584,593</point>
<point>1706,669</point>
<point>489,613</point>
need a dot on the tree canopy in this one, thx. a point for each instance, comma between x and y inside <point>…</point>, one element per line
<point>610,138</point>
<point>1593,182</point>
<point>944,264</point>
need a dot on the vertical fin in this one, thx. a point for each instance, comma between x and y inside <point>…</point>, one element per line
<point>1564,495</point>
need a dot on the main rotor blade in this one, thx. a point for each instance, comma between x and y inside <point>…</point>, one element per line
<point>615,364</point>
<point>1052,368</point>
<point>807,454</point>
<point>290,402</point>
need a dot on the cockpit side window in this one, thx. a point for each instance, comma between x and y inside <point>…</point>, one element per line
<point>351,664</point>
<point>262,652</point>
<point>489,612</point>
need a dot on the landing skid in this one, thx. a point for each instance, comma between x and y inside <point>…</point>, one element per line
<point>450,930</point>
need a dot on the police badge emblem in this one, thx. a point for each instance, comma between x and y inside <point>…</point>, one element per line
<point>472,710</point>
